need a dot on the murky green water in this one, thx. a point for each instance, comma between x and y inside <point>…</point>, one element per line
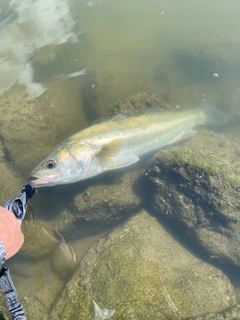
<point>184,51</point>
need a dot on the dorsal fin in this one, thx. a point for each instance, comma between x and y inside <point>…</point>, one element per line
<point>119,117</point>
<point>154,109</point>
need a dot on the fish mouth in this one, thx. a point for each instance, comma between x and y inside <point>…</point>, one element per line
<point>36,181</point>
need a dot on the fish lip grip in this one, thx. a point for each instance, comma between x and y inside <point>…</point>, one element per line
<point>18,205</point>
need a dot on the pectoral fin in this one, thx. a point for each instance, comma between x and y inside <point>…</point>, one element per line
<point>184,135</point>
<point>110,150</point>
<point>126,162</point>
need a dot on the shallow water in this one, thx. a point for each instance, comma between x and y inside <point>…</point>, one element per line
<point>185,51</point>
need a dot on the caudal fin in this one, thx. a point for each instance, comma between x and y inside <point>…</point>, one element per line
<point>211,115</point>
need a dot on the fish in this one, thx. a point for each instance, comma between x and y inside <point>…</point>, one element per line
<point>77,73</point>
<point>118,143</point>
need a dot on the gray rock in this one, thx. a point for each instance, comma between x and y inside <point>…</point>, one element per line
<point>140,271</point>
<point>197,185</point>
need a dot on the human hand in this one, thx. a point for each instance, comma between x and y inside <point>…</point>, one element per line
<point>10,232</point>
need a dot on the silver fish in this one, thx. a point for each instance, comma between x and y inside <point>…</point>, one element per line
<point>118,143</point>
<point>77,73</point>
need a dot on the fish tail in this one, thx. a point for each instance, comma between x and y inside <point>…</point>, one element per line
<point>212,116</point>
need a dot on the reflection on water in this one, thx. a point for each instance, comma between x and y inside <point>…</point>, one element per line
<point>64,63</point>
<point>27,26</point>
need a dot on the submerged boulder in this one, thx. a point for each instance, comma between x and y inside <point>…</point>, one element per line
<point>27,128</point>
<point>4,313</point>
<point>41,241</point>
<point>34,309</point>
<point>140,271</point>
<point>138,104</point>
<point>11,183</point>
<point>229,314</point>
<point>197,185</point>
<point>107,202</point>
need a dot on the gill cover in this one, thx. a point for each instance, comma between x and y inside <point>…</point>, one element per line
<point>59,167</point>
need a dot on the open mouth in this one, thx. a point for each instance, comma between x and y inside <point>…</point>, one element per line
<point>32,178</point>
<point>35,181</point>
<point>40,181</point>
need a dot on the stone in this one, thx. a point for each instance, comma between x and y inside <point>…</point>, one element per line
<point>34,309</point>
<point>229,314</point>
<point>10,180</point>
<point>140,271</point>
<point>4,313</point>
<point>27,126</point>
<point>197,186</point>
<point>107,202</point>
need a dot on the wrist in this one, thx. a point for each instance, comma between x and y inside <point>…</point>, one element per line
<point>2,254</point>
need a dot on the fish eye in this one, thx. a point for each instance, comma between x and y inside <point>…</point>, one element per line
<point>50,164</point>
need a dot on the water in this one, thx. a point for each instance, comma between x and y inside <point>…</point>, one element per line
<point>187,52</point>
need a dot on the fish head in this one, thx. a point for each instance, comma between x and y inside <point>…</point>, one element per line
<point>60,167</point>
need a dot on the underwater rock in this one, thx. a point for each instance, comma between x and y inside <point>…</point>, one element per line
<point>197,185</point>
<point>63,260</point>
<point>27,127</point>
<point>138,104</point>
<point>40,239</point>
<point>36,278</point>
<point>34,309</point>
<point>4,313</point>
<point>140,271</point>
<point>99,101</point>
<point>107,202</point>
<point>230,314</point>
<point>10,181</point>
<point>45,263</point>
<point>74,303</point>
<point>104,85</point>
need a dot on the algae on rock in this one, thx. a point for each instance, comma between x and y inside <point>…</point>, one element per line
<point>198,186</point>
<point>140,271</point>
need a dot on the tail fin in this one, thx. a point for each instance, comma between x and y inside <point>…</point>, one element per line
<point>211,115</point>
